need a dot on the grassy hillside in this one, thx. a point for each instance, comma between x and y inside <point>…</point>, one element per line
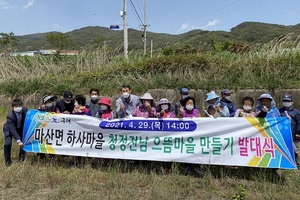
<point>261,68</point>
<point>251,33</point>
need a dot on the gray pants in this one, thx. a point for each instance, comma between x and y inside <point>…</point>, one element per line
<point>297,152</point>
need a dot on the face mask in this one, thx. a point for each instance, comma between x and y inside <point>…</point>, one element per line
<point>247,108</point>
<point>17,109</point>
<point>125,95</point>
<point>287,104</point>
<point>76,104</point>
<point>189,107</point>
<point>184,96</point>
<point>164,107</point>
<point>48,105</point>
<point>227,97</point>
<point>94,97</point>
<point>67,102</point>
<point>103,107</point>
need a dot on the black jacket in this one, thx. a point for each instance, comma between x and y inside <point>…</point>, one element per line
<point>10,127</point>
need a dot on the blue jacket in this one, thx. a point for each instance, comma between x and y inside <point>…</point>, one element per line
<point>295,119</point>
<point>230,105</point>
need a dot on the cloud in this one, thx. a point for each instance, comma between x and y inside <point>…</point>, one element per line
<point>188,27</point>
<point>29,3</point>
<point>210,24</point>
<point>4,4</point>
<point>55,26</point>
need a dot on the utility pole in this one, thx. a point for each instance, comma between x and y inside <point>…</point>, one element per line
<point>144,27</point>
<point>125,25</point>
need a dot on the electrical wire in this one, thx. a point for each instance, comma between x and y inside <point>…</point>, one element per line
<point>137,14</point>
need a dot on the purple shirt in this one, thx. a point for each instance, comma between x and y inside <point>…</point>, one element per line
<point>194,113</point>
<point>142,111</point>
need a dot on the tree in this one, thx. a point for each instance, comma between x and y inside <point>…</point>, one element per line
<point>8,42</point>
<point>59,40</point>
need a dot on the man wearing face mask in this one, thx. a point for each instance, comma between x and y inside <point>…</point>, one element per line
<point>66,105</point>
<point>226,99</point>
<point>184,93</point>
<point>294,115</point>
<point>92,103</point>
<point>13,128</point>
<point>127,103</point>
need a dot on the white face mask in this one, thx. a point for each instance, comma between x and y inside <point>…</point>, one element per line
<point>48,105</point>
<point>94,97</point>
<point>184,96</point>
<point>227,97</point>
<point>164,107</point>
<point>67,102</point>
<point>103,107</point>
<point>287,104</point>
<point>76,104</point>
<point>125,95</point>
<point>17,109</point>
<point>189,107</point>
<point>247,108</point>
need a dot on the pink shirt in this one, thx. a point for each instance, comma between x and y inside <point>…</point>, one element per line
<point>142,111</point>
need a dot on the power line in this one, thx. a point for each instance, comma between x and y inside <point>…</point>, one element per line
<point>137,14</point>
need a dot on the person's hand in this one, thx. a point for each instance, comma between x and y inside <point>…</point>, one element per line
<point>20,144</point>
<point>66,112</point>
<point>122,107</point>
<point>241,114</point>
<point>181,110</point>
<point>148,105</point>
<point>162,112</point>
<point>265,109</point>
<point>297,137</point>
<point>217,108</point>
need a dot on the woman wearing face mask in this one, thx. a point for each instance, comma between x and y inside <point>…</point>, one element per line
<point>266,107</point>
<point>189,109</point>
<point>216,107</point>
<point>105,111</point>
<point>79,106</point>
<point>164,109</point>
<point>48,103</point>
<point>247,110</point>
<point>147,107</point>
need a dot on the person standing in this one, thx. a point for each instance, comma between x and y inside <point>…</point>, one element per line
<point>127,103</point>
<point>293,114</point>
<point>66,105</point>
<point>92,103</point>
<point>184,93</point>
<point>13,128</point>
<point>226,99</point>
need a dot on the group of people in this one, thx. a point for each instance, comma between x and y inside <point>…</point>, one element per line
<point>130,105</point>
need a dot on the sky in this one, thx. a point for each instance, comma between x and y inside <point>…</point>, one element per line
<point>24,17</point>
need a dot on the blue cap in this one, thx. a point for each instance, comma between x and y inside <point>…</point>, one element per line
<point>184,90</point>
<point>225,91</point>
<point>287,97</point>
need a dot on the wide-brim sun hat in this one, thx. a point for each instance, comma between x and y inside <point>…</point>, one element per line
<point>265,96</point>
<point>48,97</point>
<point>211,95</point>
<point>105,101</point>
<point>146,96</point>
<point>163,101</point>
